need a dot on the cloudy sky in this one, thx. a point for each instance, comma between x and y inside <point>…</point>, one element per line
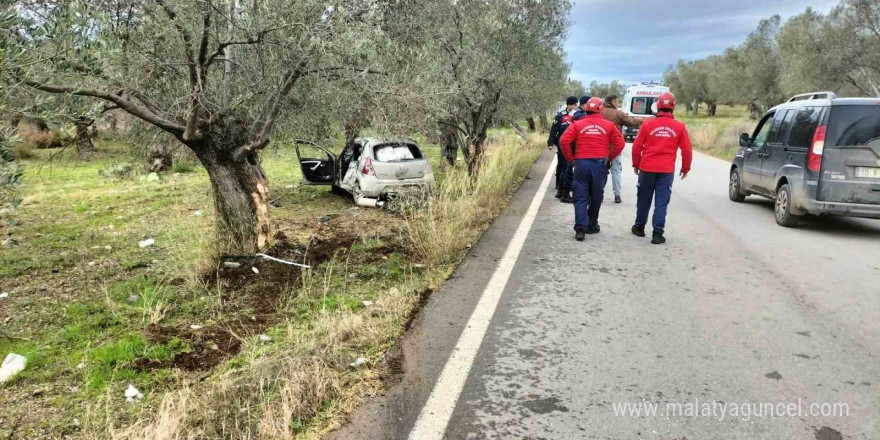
<point>636,40</point>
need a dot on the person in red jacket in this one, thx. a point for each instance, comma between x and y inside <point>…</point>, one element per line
<point>653,157</point>
<point>596,142</point>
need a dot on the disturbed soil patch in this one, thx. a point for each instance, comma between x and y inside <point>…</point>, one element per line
<point>252,291</point>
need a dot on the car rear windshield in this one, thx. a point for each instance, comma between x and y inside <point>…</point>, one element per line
<point>642,105</point>
<point>852,125</point>
<point>396,153</point>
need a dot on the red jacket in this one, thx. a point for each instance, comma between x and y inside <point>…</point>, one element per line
<point>658,142</point>
<point>594,137</point>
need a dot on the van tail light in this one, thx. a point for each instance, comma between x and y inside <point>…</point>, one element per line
<point>814,157</point>
<point>368,168</point>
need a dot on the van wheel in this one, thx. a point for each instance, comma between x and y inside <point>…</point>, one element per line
<point>784,217</point>
<point>735,188</point>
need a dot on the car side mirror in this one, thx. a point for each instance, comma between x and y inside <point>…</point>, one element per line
<point>745,140</point>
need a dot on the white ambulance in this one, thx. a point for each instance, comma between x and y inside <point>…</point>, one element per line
<point>639,102</point>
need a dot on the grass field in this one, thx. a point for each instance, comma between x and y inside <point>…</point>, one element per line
<point>718,135</point>
<point>217,352</point>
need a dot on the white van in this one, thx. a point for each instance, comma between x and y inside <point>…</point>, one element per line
<point>640,101</point>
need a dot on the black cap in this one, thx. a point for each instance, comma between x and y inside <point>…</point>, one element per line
<point>584,99</point>
<point>571,100</point>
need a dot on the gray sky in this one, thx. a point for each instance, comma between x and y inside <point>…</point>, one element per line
<point>636,40</point>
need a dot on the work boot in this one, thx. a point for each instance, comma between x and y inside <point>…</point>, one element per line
<point>566,198</point>
<point>638,231</point>
<point>579,235</point>
<point>593,229</point>
<point>658,239</point>
<point>617,199</point>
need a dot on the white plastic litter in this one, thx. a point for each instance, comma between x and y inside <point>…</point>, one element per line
<point>147,243</point>
<point>197,213</point>
<point>196,327</point>
<point>265,338</point>
<point>4,295</point>
<point>278,260</point>
<point>358,362</point>
<point>132,394</point>
<point>367,303</point>
<point>256,271</point>
<point>231,264</point>
<point>12,365</point>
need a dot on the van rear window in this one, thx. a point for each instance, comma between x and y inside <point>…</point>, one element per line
<point>642,105</point>
<point>852,125</point>
<point>396,153</point>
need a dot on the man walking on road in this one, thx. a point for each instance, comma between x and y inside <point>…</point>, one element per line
<point>653,156</point>
<point>563,169</point>
<point>592,135</point>
<point>620,119</point>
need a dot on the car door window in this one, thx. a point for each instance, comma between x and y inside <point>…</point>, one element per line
<point>779,127</point>
<point>763,130</point>
<point>804,126</point>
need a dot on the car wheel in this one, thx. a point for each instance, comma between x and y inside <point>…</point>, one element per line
<point>784,217</point>
<point>735,189</point>
<point>338,190</point>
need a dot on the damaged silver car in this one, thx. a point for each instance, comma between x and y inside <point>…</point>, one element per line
<point>372,170</point>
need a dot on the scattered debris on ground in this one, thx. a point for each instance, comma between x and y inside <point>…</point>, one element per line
<point>12,365</point>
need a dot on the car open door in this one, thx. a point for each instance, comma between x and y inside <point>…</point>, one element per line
<point>317,163</point>
<point>850,170</point>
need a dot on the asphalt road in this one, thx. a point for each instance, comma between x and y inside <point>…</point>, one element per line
<point>735,329</point>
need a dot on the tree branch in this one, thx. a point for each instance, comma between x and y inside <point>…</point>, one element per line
<point>270,113</point>
<point>191,131</point>
<point>131,107</point>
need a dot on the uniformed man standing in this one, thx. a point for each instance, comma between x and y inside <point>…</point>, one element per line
<point>653,156</point>
<point>581,110</point>
<point>592,136</point>
<point>563,169</point>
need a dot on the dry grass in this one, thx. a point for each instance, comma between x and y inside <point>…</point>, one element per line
<point>718,135</point>
<point>704,137</point>
<point>302,385</point>
<point>461,206</point>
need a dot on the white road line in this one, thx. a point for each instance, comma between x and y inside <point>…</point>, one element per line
<point>435,415</point>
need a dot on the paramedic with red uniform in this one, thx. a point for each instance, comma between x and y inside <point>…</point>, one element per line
<point>592,136</point>
<point>653,157</point>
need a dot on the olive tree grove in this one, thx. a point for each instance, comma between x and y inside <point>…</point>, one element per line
<point>838,51</point>
<point>217,75</point>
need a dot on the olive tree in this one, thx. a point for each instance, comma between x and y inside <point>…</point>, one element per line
<point>486,56</point>
<point>217,75</point>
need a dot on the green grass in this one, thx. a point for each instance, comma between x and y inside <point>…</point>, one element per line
<point>83,294</point>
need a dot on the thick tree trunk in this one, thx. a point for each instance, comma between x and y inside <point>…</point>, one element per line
<point>450,144</point>
<point>712,108</point>
<point>83,139</point>
<point>476,155</point>
<point>545,124</point>
<point>532,126</point>
<point>241,199</point>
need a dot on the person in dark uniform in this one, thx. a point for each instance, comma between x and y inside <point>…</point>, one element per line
<point>581,110</point>
<point>563,169</point>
